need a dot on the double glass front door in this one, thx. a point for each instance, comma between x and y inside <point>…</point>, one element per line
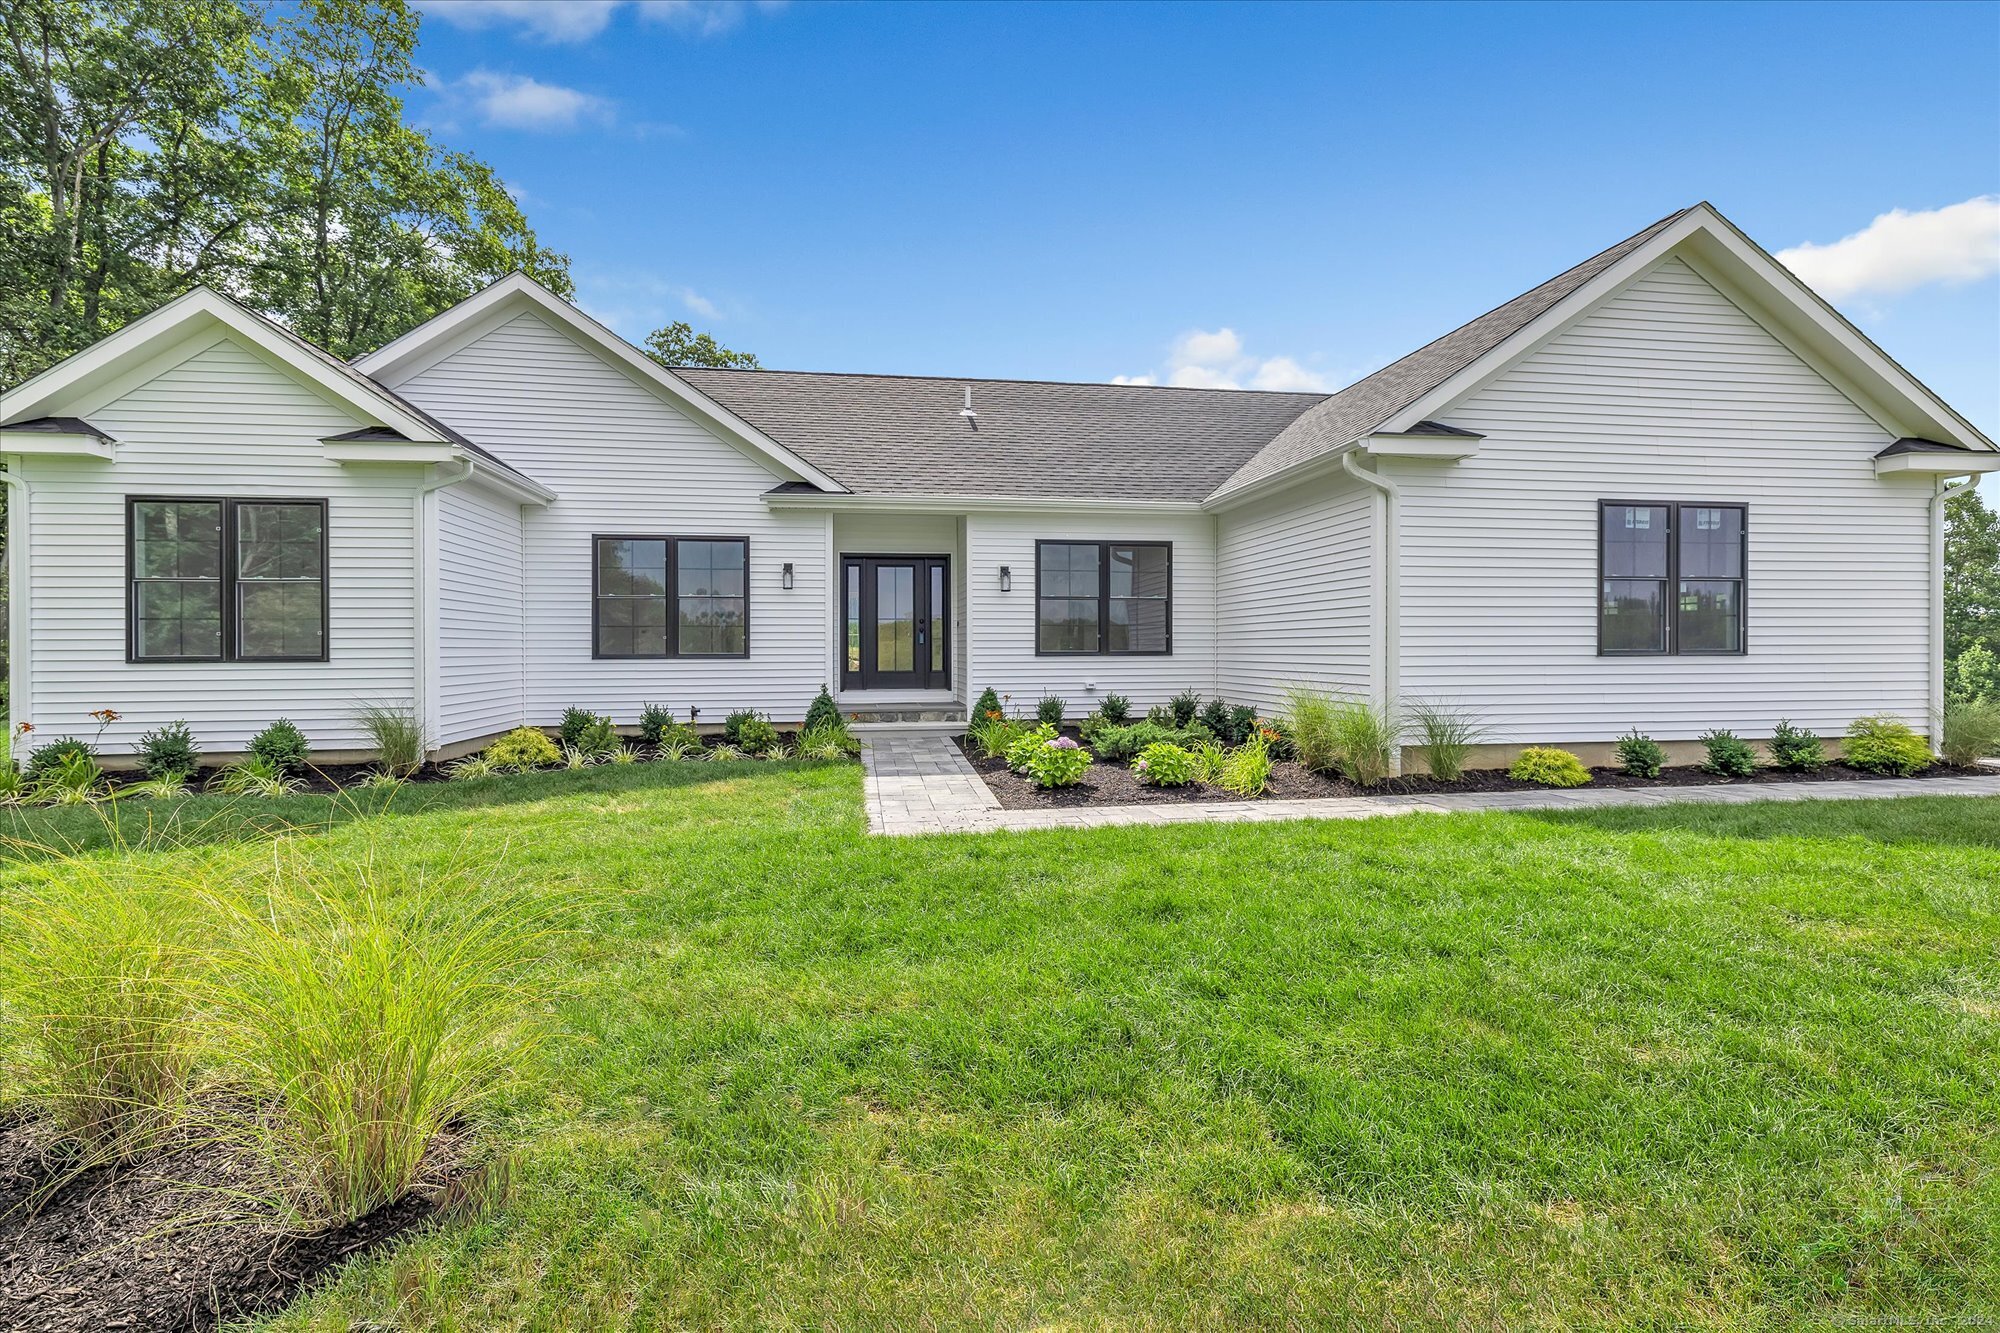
<point>897,621</point>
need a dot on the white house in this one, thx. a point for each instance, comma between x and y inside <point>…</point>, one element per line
<point>1668,489</point>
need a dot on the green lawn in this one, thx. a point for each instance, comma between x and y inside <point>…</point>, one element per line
<point>1710,1066</point>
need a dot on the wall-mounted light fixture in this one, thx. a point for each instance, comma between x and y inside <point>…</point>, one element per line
<point>788,576</point>
<point>1006,579</point>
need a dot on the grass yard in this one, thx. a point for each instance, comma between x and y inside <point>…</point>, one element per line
<point>1712,1066</point>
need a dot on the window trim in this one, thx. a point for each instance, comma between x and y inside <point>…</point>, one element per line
<point>227,580</point>
<point>1104,648</point>
<point>1673,580</point>
<point>673,541</point>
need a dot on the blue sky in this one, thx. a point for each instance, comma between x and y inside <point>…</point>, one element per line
<point>1280,195</point>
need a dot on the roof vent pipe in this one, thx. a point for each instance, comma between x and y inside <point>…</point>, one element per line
<point>971,417</point>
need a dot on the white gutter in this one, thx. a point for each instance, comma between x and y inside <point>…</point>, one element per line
<point>1389,624</point>
<point>1945,490</point>
<point>20,701</point>
<point>425,678</point>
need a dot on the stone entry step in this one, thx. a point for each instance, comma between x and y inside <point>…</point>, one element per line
<point>928,713</point>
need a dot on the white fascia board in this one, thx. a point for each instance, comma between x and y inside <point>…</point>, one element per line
<point>513,485</point>
<point>1939,464</point>
<point>1716,246</point>
<point>51,444</point>
<point>961,504</point>
<point>516,292</point>
<point>179,325</point>
<point>1272,483</point>
<point>1437,448</point>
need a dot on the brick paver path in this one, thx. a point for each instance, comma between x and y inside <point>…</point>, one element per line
<point>923,784</point>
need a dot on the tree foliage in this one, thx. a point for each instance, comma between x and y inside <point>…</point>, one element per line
<point>1971,576</point>
<point>147,146</point>
<point>679,345</point>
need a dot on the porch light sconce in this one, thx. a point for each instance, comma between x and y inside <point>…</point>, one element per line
<point>788,576</point>
<point>1006,579</point>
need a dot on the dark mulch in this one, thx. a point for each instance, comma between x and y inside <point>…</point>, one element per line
<point>1114,784</point>
<point>167,1243</point>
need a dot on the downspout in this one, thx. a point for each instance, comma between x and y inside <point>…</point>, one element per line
<point>1945,490</point>
<point>20,703</point>
<point>1391,629</point>
<point>427,599</point>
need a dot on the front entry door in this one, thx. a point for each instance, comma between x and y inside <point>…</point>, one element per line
<point>897,618</point>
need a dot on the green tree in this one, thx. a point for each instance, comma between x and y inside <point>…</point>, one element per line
<point>679,345</point>
<point>147,146</point>
<point>1971,575</point>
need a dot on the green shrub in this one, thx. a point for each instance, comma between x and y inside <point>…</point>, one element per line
<point>1549,768</point>
<point>756,735</point>
<point>169,751</point>
<point>1026,743</point>
<point>524,748</point>
<point>1160,715</point>
<point>574,720</point>
<point>1119,745</point>
<point>656,723</point>
<point>1246,771</point>
<point>95,959</point>
<point>1116,709</point>
<point>1640,756</point>
<point>1094,723</point>
<point>1056,761</point>
<point>1969,732</point>
<point>1973,676</point>
<point>822,713</point>
<point>598,739</point>
<point>1729,756</point>
<point>1209,760</point>
<point>988,705</point>
<point>44,760</point>
<point>1242,725</point>
<point>398,737</point>
<point>362,1010</point>
<point>1050,710</point>
<point>732,726</point>
<point>1215,716</point>
<point>1445,735</point>
<point>1796,750</point>
<point>1884,745</point>
<point>1162,765</point>
<point>281,745</point>
<point>1184,707</point>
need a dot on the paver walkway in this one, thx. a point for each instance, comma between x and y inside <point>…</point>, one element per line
<point>923,784</point>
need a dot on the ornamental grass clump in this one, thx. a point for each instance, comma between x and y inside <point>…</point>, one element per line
<point>1445,735</point>
<point>362,1012</point>
<point>398,737</point>
<point>1884,745</point>
<point>1640,756</point>
<point>96,957</point>
<point>1549,767</point>
<point>1246,771</point>
<point>1969,731</point>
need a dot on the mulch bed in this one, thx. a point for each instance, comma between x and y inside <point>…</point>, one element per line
<point>1114,784</point>
<point>164,1244</point>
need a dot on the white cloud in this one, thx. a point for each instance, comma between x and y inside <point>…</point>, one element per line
<point>564,21</point>
<point>543,20</point>
<point>1203,359</point>
<point>637,303</point>
<point>518,102</point>
<point>1901,250</point>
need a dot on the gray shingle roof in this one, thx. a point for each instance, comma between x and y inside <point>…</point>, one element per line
<point>1911,445</point>
<point>57,426</point>
<point>1365,405</point>
<point>902,435</point>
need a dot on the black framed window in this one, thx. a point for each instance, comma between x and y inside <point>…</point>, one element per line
<point>1672,577</point>
<point>1104,597</point>
<point>222,580</point>
<point>670,596</point>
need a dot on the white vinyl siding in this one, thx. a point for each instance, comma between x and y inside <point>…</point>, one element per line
<point>1003,623</point>
<point>223,422</point>
<point>1296,592</point>
<point>621,459</point>
<point>481,676</point>
<point>1666,392</point>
